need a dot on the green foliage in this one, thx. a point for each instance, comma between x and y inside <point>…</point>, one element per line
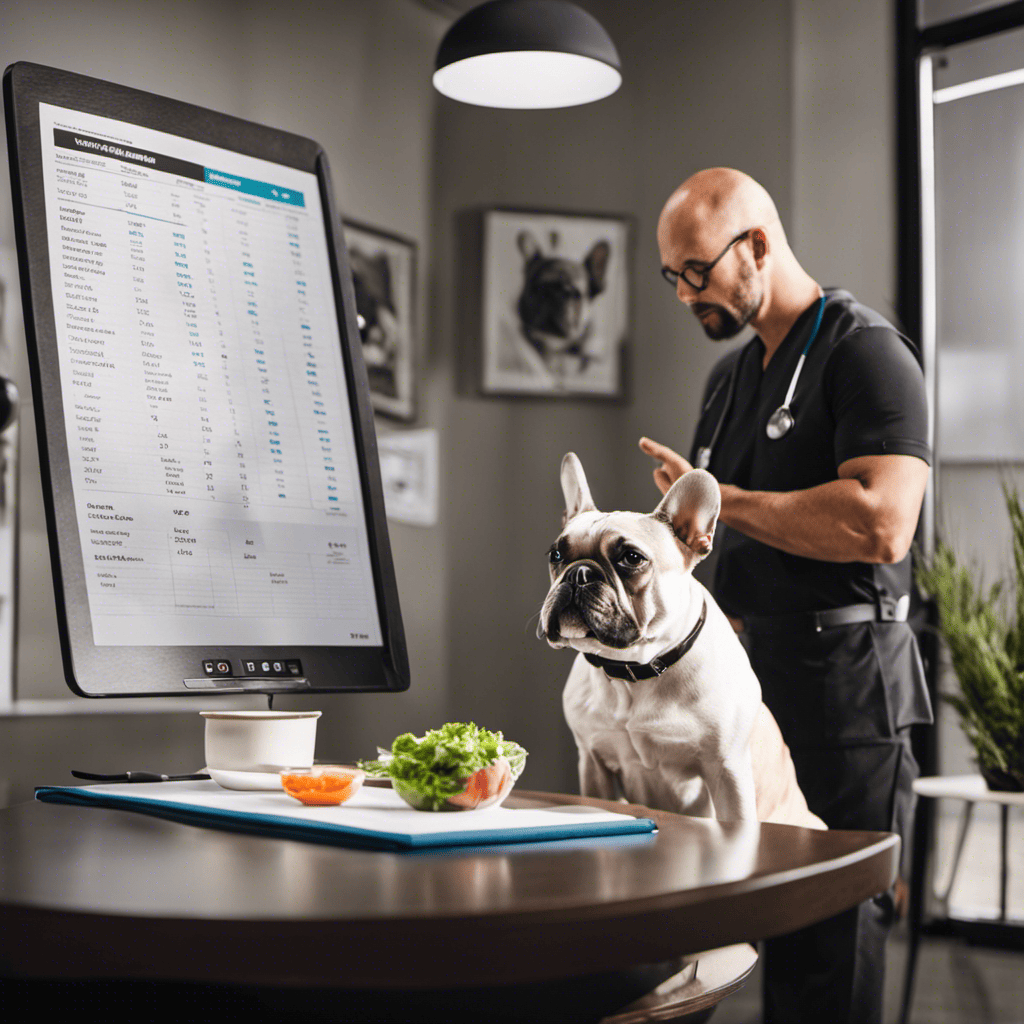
<point>985,636</point>
<point>427,771</point>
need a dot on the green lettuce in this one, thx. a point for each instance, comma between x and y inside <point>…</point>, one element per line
<point>427,770</point>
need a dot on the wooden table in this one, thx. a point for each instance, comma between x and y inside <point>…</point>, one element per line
<point>89,893</point>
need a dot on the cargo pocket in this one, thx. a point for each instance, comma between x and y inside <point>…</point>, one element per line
<point>906,688</point>
<point>824,688</point>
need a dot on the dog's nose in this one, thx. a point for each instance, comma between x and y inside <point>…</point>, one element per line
<point>582,573</point>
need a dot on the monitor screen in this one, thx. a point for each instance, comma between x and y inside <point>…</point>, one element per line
<point>200,392</point>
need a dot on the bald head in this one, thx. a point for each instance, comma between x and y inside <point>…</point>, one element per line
<point>723,246</point>
<point>711,207</point>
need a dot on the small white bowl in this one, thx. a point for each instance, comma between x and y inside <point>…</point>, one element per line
<point>245,780</point>
<point>259,742</point>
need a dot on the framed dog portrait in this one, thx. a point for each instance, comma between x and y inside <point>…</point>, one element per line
<point>384,276</point>
<point>555,303</point>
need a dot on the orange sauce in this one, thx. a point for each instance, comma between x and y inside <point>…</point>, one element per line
<point>323,786</point>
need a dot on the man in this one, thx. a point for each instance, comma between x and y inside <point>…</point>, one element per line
<point>823,460</point>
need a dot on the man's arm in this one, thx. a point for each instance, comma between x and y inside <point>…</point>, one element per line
<point>868,515</point>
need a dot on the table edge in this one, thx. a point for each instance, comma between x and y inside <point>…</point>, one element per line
<point>548,942</point>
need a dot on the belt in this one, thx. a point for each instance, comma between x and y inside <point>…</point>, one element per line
<point>888,609</point>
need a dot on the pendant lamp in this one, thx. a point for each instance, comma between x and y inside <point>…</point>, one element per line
<point>527,54</point>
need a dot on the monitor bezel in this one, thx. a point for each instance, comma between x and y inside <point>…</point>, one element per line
<point>112,671</point>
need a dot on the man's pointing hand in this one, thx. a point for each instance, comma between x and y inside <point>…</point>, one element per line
<point>672,464</point>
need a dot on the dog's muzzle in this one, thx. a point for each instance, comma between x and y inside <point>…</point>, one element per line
<point>583,590</point>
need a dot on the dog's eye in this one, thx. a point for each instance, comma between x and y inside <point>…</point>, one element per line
<point>632,559</point>
<point>556,556</point>
<point>562,289</point>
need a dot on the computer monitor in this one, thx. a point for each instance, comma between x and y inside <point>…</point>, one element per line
<point>209,464</point>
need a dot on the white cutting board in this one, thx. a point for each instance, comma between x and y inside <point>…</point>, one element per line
<point>373,809</point>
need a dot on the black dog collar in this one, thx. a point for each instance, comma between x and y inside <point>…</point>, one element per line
<point>633,670</point>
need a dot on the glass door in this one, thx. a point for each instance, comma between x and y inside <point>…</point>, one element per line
<point>972,156</point>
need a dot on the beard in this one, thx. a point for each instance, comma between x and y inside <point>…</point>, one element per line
<point>720,323</point>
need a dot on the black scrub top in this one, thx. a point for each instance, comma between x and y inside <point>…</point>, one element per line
<point>861,392</point>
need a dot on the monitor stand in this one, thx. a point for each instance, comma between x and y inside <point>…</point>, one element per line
<point>241,684</point>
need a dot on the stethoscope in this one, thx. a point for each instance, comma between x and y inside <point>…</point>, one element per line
<point>781,422</point>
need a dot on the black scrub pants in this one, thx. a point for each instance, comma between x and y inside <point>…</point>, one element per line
<point>838,697</point>
<point>833,972</point>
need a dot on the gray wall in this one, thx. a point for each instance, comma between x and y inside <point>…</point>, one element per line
<point>352,75</point>
<point>799,93</point>
<point>844,173</point>
<point>844,146</point>
<point>704,85</point>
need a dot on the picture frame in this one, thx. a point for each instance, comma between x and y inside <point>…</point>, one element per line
<point>555,303</point>
<point>384,277</point>
<point>409,463</point>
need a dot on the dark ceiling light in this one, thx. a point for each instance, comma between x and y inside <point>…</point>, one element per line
<point>527,54</point>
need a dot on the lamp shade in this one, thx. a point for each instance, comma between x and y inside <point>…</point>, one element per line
<point>527,54</point>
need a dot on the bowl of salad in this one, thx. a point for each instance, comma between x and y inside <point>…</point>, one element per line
<point>459,767</point>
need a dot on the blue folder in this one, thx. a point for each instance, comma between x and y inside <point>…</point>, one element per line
<point>339,833</point>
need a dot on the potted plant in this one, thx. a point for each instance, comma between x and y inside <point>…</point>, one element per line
<point>985,636</point>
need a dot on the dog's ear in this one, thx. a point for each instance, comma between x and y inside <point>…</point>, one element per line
<point>596,262</point>
<point>691,506</point>
<point>528,246</point>
<point>575,488</point>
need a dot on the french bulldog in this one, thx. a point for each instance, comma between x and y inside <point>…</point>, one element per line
<point>661,699</point>
<point>555,303</point>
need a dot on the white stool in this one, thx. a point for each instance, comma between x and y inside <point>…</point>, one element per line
<point>971,789</point>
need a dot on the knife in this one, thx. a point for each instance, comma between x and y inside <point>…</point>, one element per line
<point>137,777</point>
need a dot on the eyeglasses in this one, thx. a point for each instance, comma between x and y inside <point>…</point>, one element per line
<point>697,277</point>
